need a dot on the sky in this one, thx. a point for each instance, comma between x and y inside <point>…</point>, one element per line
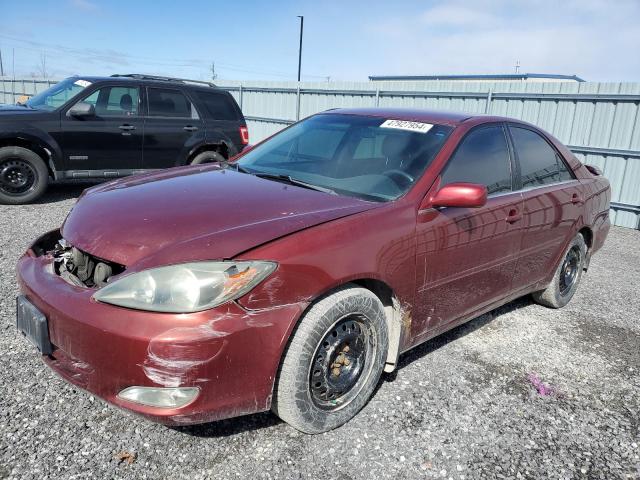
<point>597,40</point>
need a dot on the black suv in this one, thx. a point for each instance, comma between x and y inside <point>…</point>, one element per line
<point>105,127</point>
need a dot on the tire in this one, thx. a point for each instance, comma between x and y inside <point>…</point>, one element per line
<point>23,176</point>
<point>208,157</point>
<point>340,346</point>
<point>567,276</point>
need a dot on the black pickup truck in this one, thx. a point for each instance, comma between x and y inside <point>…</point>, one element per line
<point>106,127</point>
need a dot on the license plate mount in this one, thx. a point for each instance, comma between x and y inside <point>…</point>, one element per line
<point>32,323</point>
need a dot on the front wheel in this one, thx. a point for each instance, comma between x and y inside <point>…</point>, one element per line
<point>333,362</point>
<point>567,276</point>
<point>23,176</point>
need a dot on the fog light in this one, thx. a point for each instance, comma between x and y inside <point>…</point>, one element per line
<point>174,397</point>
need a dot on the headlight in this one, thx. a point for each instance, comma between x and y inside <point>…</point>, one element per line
<point>185,288</point>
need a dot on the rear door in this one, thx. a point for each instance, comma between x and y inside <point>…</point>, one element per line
<point>552,200</point>
<point>172,127</point>
<point>467,256</point>
<point>223,118</point>
<point>109,143</point>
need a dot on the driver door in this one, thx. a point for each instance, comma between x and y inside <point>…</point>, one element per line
<point>466,257</point>
<point>108,143</point>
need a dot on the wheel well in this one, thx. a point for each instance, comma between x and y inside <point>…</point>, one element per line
<point>587,234</point>
<point>33,146</point>
<point>220,148</point>
<point>394,315</point>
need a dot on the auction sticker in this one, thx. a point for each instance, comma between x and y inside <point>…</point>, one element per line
<point>82,83</point>
<point>418,127</point>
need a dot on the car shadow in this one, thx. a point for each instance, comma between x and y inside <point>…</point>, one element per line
<point>59,192</point>
<point>234,426</point>
<point>231,426</point>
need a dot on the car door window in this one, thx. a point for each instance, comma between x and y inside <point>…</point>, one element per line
<point>167,102</point>
<point>114,101</point>
<point>482,157</point>
<point>540,164</point>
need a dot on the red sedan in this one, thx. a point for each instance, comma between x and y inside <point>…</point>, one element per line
<point>292,277</point>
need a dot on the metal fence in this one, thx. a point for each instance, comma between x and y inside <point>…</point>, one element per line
<point>598,121</point>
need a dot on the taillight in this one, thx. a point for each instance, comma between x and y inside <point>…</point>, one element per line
<point>244,135</point>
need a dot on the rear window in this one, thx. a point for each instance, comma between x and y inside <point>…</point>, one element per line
<point>165,102</point>
<point>217,105</point>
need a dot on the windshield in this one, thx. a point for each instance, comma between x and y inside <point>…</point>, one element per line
<point>366,157</point>
<point>58,94</point>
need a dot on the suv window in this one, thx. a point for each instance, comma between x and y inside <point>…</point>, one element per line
<point>539,162</point>
<point>166,102</point>
<point>217,105</point>
<point>114,101</point>
<point>482,157</point>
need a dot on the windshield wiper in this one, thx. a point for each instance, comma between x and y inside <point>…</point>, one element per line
<point>293,181</point>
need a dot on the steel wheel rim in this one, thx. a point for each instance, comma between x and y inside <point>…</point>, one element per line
<point>337,374</point>
<point>569,270</point>
<point>17,177</point>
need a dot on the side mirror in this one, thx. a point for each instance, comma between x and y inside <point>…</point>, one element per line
<point>465,195</point>
<point>82,109</point>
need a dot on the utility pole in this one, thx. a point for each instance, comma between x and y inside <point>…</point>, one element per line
<point>1,66</point>
<point>213,71</point>
<point>300,49</point>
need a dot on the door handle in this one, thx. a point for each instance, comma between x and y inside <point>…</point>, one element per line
<point>575,198</point>
<point>513,216</point>
<point>190,128</point>
<point>126,127</point>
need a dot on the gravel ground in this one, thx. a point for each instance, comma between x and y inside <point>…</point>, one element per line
<point>461,406</point>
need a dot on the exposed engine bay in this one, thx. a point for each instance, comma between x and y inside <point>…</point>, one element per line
<point>75,266</point>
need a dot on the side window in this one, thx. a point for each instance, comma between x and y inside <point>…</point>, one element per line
<point>539,162</point>
<point>114,101</point>
<point>165,102</point>
<point>120,101</point>
<point>482,157</point>
<point>217,105</point>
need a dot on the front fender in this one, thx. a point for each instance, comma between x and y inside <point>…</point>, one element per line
<point>39,137</point>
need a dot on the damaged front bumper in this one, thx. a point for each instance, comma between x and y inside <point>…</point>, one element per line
<point>229,353</point>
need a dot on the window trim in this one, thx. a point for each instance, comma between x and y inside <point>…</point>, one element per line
<point>99,87</point>
<point>521,188</point>
<point>170,117</point>
<point>511,161</point>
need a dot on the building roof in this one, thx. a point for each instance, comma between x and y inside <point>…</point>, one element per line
<point>507,76</point>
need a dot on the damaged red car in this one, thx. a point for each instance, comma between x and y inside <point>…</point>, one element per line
<point>292,277</point>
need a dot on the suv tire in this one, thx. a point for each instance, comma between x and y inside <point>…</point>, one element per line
<point>209,156</point>
<point>23,175</point>
<point>333,362</point>
<point>567,277</point>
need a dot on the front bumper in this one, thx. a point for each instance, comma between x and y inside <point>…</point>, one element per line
<point>229,353</point>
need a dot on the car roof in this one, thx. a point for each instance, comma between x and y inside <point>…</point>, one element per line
<point>157,81</point>
<point>442,117</point>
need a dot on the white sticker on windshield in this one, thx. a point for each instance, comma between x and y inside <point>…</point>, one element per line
<point>82,83</point>
<point>406,125</point>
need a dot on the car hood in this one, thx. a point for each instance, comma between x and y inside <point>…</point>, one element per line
<point>194,213</point>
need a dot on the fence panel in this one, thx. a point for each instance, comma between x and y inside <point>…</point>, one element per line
<point>598,121</point>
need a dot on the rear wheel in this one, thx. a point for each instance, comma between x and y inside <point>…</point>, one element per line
<point>334,361</point>
<point>23,175</point>
<point>567,277</point>
<point>208,157</point>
